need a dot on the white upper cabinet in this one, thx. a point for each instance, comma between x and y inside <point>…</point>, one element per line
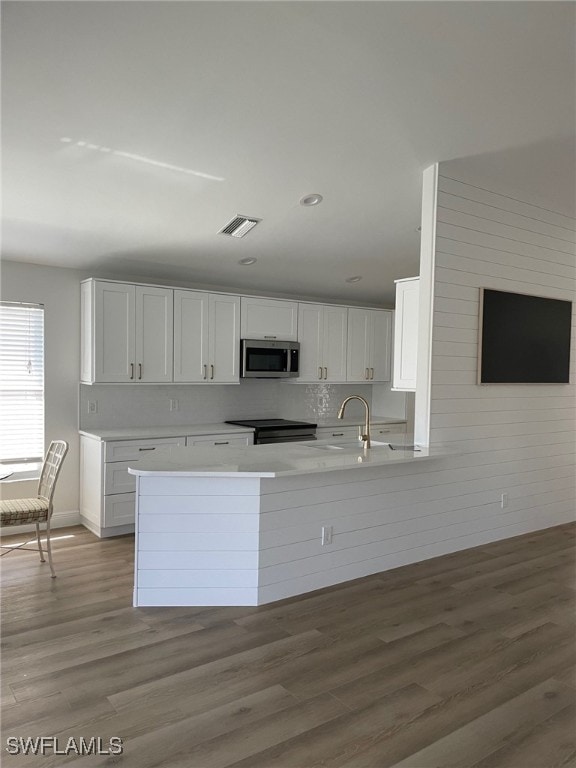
<point>382,344</point>
<point>359,345</point>
<point>406,334</point>
<point>191,357</point>
<point>369,335</point>
<point>322,332</point>
<point>224,339</point>
<point>269,319</point>
<point>126,333</point>
<point>154,333</point>
<point>114,329</point>
<point>206,337</point>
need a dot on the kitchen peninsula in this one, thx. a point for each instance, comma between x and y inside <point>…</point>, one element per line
<point>251,525</point>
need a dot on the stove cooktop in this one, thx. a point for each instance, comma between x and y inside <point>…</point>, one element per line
<point>272,423</point>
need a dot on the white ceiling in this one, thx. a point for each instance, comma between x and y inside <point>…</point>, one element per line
<point>274,100</point>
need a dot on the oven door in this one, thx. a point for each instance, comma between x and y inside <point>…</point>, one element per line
<point>269,359</point>
<point>272,436</point>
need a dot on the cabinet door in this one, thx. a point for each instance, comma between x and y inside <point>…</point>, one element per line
<point>224,343</point>
<point>360,340</point>
<point>335,336</point>
<point>269,319</point>
<point>119,509</point>
<point>191,336</point>
<point>154,333</point>
<point>114,332</point>
<point>310,320</point>
<point>380,345</point>
<point>406,335</point>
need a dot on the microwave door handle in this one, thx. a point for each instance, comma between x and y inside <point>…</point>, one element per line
<point>289,360</point>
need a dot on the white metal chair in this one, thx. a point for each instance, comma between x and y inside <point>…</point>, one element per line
<point>36,510</point>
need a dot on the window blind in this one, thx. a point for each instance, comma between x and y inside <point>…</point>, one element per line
<point>21,382</point>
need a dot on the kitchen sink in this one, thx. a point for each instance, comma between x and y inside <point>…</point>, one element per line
<point>351,446</point>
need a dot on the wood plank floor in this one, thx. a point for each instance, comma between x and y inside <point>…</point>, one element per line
<point>467,660</point>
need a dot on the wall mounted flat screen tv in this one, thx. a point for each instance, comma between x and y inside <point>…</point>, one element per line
<point>524,339</point>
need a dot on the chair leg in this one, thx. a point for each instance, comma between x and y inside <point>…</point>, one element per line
<point>42,559</point>
<point>49,549</point>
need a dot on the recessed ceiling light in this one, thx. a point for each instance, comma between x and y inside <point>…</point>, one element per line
<point>65,140</point>
<point>313,199</point>
<point>247,261</point>
<point>354,279</point>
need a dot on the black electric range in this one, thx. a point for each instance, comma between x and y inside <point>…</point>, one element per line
<point>278,430</point>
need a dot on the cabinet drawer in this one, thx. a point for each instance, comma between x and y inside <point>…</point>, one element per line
<point>390,429</point>
<point>342,433</point>
<point>117,479</point>
<point>208,440</point>
<point>119,509</point>
<point>128,450</point>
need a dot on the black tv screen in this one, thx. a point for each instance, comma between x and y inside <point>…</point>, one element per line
<point>524,339</point>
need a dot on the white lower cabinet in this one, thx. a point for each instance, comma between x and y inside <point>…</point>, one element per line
<point>215,440</point>
<point>108,491</point>
<point>389,432</point>
<point>119,510</point>
<point>380,432</point>
<point>328,434</point>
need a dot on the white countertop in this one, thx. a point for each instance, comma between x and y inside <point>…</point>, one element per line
<point>175,430</point>
<point>274,460</point>
<point>218,428</point>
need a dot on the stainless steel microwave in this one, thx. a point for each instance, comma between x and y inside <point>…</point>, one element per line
<point>270,359</point>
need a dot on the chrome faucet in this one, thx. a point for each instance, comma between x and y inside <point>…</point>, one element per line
<point>366,436</point>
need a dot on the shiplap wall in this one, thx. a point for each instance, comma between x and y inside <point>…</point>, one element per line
<point>512,439</point>
<point>516,439</point>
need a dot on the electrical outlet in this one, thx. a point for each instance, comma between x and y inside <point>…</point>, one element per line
<point>327,533</point>
<point>92,406</point>
<point>504,499</point>
<point>173,405</point>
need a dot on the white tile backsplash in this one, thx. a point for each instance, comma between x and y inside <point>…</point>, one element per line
<point>127,405</point>
<point>320,401</point>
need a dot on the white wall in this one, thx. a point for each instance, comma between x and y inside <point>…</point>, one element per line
<point>58,290</point>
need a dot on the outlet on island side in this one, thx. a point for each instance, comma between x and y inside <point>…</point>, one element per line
<point>92,406</point>
<point>504,500</point>
<point>327,533</point>
<point>173,404</point>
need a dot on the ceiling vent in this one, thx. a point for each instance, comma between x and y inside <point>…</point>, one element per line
<point>239,226</point>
